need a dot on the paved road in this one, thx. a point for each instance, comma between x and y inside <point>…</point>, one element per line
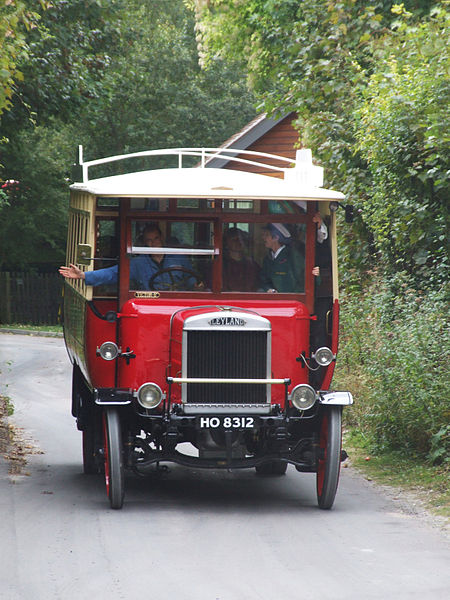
<point>197,535</point>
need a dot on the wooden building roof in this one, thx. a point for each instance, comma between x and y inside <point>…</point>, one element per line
<point>262,134</point>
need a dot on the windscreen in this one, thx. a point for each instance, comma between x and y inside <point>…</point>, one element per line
<point>183,255</point>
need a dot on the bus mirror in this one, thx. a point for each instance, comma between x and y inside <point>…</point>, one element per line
<point>349,213</point>
<point>348,208</point>
<point>84,254</point>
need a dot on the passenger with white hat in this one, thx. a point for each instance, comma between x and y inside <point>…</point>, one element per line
<point>283,268</point>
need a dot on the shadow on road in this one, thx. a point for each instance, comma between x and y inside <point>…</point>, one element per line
<point>191,490</point>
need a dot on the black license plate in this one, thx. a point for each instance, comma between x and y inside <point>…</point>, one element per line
<point>226,422</point>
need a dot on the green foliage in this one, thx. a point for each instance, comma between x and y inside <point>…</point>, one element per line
<point>66,58</point>
<point>15,19</point>
<point>116,76</point>
<point>329,61</point>
<point>33,224</point>
<point>395,351</point>
<point>402,133</point>
<point>154,93</point>
<point>309,57</point>
<point>3,199</point>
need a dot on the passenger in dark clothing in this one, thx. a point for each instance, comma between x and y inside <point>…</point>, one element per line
<point>240,272</point>
<point>283,267</point>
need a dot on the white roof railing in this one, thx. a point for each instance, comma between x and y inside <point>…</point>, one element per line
<point>301,181</point>
<point>302,163</point>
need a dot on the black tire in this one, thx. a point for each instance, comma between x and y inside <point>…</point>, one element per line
<point>90,465</point>
<point>275,467</point>
<point>113,449</point>
<point>329,462</point>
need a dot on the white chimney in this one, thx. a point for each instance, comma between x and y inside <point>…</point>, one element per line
<point>304,173</point>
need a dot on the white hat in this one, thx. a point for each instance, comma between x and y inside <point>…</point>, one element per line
<point>280,231</point>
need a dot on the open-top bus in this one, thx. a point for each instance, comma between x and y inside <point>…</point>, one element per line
<point>201,316</point>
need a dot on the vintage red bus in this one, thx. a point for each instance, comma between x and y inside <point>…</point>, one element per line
<point>201,316</point>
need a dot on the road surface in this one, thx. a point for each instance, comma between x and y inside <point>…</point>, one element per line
<point>189,535</point>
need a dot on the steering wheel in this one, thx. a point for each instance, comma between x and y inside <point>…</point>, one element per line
<point>175,284</point>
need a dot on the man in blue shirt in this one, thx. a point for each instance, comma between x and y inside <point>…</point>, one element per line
<point>143,268</point>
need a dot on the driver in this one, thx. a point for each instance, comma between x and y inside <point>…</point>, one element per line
<point>142,268</point>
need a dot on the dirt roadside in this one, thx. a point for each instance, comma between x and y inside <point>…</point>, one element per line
<point>409,502</point>
<point>14,445</point>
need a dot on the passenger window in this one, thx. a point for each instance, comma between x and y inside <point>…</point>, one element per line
<point>195,205</point>
<point>240,269</point>
<point>250,206</point>
<point>276,207</point>
<point>150,204</point>
<point>171,256</point>
<point>106,253</point>
<point>263,258</point>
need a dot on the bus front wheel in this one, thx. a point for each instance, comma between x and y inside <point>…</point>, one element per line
<point>113,452</point>
<point>329,461</point>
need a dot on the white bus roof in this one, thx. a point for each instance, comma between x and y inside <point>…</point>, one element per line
<point>302,182</point>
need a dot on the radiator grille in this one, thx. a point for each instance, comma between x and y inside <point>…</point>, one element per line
<point>227,354</point>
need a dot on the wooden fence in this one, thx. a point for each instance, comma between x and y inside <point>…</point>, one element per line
<point>30,298</point>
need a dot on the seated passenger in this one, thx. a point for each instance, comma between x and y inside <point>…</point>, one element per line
<point>240,272</point>
<point>142,268</point>
<point>283,268</point>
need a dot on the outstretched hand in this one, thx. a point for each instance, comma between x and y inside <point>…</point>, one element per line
<point>71,272</point>
<point>317,218</point>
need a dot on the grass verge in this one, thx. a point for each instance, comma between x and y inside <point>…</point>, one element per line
<point>430,484</point>
<point>30,328</point>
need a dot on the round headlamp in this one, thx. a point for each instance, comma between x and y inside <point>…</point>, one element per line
<point>303,396</point>
<point>108,351</point>
<point>149,395</point>
<point>323,356</point>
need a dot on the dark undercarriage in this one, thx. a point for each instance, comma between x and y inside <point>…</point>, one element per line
<point>150,439</point>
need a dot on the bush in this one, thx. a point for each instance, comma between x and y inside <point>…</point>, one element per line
<point>395,351</point>
<point>402,132</point>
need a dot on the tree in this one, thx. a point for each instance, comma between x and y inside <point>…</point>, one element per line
<point>33,224</point>
<point>116,76</point>
<point>65,60</point>
<point>16,18</point>
<point>402,133</point>
<point>154,92</point>
<point>317,58</point>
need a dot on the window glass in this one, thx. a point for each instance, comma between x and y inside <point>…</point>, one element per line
<point>184,261</point>
<point>241,206</point>
<point>263,258</point>
<point>108,203</point>
<point>277,207</point>
<point>150,204</point>
<point>177,255</point>
<point>106,253</point>
<point>199,205</point>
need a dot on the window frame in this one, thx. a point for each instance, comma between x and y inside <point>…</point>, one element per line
<point>218,217</point>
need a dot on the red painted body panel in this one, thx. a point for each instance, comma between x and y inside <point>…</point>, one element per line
<point>101,372</point>
<point>84,332</point>
<point>145,327</point>
<point>334,346</point>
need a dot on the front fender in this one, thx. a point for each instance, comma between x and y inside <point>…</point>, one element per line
<point>335,398</point>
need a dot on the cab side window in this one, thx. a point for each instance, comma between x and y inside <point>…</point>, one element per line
<point>106,252</point>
